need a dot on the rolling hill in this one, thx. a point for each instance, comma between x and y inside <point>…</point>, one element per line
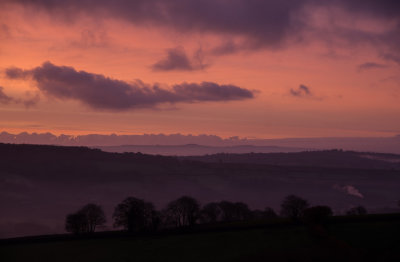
<point>39,185</point>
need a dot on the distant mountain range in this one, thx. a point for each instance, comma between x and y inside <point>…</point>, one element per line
<point>178,144</point>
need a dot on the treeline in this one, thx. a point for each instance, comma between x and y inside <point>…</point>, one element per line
<point>137,215</point>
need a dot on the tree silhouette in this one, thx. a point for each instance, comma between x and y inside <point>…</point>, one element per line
<point>134,214</point>
<point>356,211</point>
<point>94,216</point>
<point>85,220</point>
<point>76,223</point>
<point>269,213</point>
<point>293,207</point>
<point>227,211</point>
<point>183,212</point>
<point>210,213</point>
<point>242,211</point>
<point>156,219</point>
<point>234,211</point>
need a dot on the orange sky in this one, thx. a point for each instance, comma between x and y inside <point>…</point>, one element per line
<point>345,99</point>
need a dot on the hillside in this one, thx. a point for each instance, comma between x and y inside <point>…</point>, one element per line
<point>196,150</point>
<point>39,185</point>
<point>328,158</point>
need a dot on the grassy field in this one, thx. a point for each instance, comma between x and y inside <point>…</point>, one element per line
<point>370,240</point>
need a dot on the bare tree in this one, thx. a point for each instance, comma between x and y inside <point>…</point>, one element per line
<point>234,211</point>
<point>210,213</point>
<point>94,216</point>
<point>356,211</point>
<point>76,223</point>
<point>269,213</point>
<point>293,207</point>
<point>85,220</point>
<point>242,211</point>
<point>183,212</point>
<point>227,211</point>
<point>134,214</point>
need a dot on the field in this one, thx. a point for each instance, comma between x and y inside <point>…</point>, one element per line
<point>374,238</point>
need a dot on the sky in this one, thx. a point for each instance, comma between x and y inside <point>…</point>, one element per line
<point>247,68</point>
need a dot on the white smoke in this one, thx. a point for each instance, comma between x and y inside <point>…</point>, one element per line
<point>348,189</point>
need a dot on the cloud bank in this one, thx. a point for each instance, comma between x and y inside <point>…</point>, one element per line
<point>100,92</point>
<point>260,24</point>
<point>263,22</point>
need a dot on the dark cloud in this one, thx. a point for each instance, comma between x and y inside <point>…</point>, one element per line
<point>15,73</point>
<point>4,99</point>
<point>302,91</point>
<point>28,102</point>
<point>371,65</point>
<point>259,24</point>
<point>177,59</point>
<point>381,8</point>
<point>91,39</point>
<point>229,47</point>
<point>4,31</point>
<point>392,58</point>
<point>101,92</point>
<point>383,12</point>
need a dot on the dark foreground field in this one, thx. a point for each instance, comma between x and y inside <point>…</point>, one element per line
<point>373,238</point>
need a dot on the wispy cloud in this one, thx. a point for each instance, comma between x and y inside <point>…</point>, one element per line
<point>4,99</point>
<point>91,39</point>
<point>370,65</point>
<point>176,59</point>
<point>301,91</point>
<point>30,101</point>
<point>392,57</point>
<point>349,189</point>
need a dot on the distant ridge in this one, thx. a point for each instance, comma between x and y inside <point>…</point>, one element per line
<point>197,150</point>
<point>361,144</point>
<point>327,158</point>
